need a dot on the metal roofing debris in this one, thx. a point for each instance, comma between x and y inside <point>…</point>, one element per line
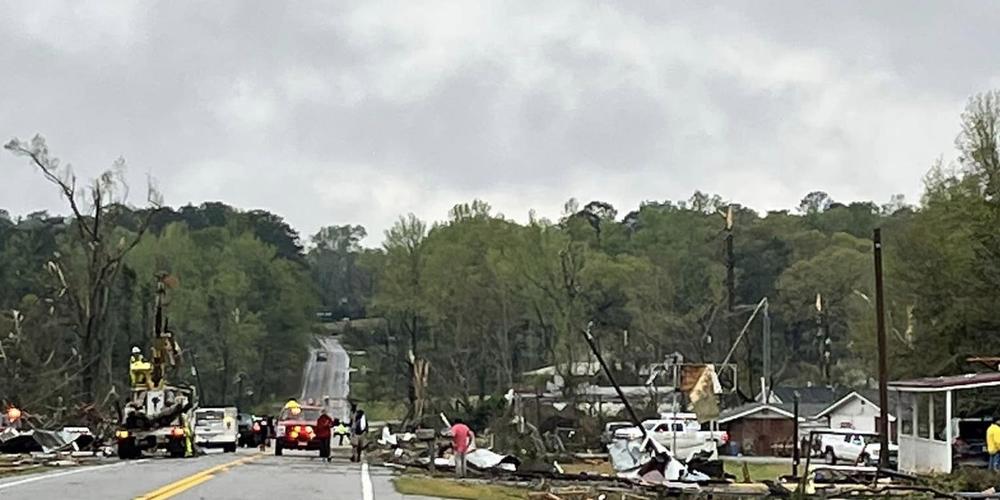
<point>932,384</point>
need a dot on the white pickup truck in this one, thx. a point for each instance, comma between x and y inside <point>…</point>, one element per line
<point>851,447</point>
<point>681,429</point>
<point>216,427</point>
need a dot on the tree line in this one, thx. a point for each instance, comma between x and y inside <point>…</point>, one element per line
<point>479,298</point>
<point>483,298</point>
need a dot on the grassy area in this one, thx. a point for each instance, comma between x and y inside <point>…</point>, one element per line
<point>758,472</point>
<point>21,470</point>
<point>588,467</point>
<point>384,410</point>
<point>447,488</point>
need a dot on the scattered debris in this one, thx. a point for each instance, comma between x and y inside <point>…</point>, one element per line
<point>19,462</point>
<point>484,459</point>
<point>37,440</point>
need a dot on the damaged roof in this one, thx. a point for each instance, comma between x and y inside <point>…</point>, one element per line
<point>940,384</point>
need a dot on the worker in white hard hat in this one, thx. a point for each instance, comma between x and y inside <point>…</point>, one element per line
<point>138,368</point>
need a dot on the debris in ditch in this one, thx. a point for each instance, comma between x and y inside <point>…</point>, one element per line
<point>38,440</point>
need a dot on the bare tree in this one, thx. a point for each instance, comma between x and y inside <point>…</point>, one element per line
<point>86,276</point>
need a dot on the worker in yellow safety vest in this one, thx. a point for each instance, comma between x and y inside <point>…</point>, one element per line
<point>993,443</point>
<point>138,368</point>
<point>341,431</point>
<point>186,425</point>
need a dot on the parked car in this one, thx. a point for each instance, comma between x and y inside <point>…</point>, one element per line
<point>244,425</point>
<point>851,447</point>
<point>216,427</point>
<point>682,429</point>
<point>969,445</point>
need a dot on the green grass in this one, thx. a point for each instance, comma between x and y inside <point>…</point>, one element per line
<point>384,410</point>
<point>758,472</point>
<point>22,470</point>
<point>447,488</point>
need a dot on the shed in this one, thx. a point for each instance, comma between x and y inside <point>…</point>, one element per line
<point>925,438</point>
<point>762,429</point>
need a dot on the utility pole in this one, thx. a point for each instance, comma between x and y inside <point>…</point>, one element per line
<point>795,435</point>
<point>883,362</point>
<point>826,344</point>
<point>589,337</point>
<point>766,320</point>
<point>730,264</point>
<point>731,322</point>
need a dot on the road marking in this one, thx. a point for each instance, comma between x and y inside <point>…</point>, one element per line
<point>193,480</point>
<point>85,468</point>
<point>366,483</point>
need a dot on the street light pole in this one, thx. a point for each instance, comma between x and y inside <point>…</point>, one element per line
<point>883,363</point>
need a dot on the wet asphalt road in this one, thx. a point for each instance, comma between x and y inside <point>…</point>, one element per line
<point>251,475</point>
<point>328,378</point>
<point>247,474</point>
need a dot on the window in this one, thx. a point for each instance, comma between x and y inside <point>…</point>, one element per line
<point>209,416</point>
<point>306,414</point>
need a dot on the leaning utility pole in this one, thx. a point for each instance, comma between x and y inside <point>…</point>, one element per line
<point>883,363</point>
<point>589,337</point>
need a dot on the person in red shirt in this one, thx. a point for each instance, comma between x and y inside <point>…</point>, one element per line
<point>461,440</point>
<point>323,426</point>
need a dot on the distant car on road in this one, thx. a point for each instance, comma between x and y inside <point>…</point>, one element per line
<point>321,356</point>
<point>296,430</point>
<point>216,427</point>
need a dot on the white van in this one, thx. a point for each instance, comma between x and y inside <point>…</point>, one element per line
<point>216,428</point>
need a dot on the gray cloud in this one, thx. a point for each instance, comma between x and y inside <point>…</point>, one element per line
<point>358,112</point>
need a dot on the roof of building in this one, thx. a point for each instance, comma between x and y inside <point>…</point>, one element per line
<point>807,411</point>
<point>746,410</point>
<point>578,368</point>
<point>815,394</point>
<point>840,402</point>
<point>947,383</point>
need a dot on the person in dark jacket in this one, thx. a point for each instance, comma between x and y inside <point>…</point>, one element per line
<point>359,428</point>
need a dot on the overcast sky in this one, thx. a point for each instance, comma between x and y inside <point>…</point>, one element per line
<point>338,112</point>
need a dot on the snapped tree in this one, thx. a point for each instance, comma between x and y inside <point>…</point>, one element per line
<point>86,275</point>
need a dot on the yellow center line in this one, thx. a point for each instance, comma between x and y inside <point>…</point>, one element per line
<point>193,480</point>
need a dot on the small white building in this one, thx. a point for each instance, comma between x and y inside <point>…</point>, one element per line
<point>855,411</point>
